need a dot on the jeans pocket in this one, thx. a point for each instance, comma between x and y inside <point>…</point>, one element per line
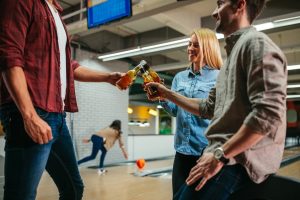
<point>16,135</point>
<point>42,113</point>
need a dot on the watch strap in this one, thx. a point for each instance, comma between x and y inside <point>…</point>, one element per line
<point>224,160</point>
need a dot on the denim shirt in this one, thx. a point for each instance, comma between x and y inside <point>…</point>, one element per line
<point>189,137</point>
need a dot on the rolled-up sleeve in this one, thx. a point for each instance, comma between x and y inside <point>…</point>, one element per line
<point>74,64</point>
<point>15,17</point>
<point>207,106</point>
<point>266,86</point>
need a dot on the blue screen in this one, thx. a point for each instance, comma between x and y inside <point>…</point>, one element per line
<point>107,11</point>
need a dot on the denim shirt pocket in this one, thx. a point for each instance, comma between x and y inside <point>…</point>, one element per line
<point>201,92</point>
<point>180,90</point>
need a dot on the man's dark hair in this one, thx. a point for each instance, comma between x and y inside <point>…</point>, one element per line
<point>254,8</point>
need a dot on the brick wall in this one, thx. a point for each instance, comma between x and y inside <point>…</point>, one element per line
<point>99,104</point>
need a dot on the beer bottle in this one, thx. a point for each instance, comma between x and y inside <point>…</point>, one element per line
<point>154,75</point>
<point>149,75</point>
<point>129,77</point>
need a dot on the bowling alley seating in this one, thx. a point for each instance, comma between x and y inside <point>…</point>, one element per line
<point>274,188</point>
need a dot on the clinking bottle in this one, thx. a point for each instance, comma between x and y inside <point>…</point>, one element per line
<point>130,76</point>
<point>150,75</point>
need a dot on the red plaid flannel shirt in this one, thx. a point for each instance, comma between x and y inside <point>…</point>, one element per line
<point>28,39</point>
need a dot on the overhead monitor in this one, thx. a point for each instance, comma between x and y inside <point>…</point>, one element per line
<point>104,11</point>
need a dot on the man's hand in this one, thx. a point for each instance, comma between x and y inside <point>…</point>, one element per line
<point>37,129</point>
<point>159,87</point>
<point>207,167</point>
<point>114,77</point>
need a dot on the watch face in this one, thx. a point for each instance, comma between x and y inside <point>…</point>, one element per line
<point>218,153</point>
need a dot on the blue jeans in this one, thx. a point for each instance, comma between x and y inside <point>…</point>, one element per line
<point>98,145</point>
<point>25,161</point>
<point>228,180</point>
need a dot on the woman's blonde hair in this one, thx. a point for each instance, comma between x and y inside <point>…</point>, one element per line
<point>209,46</point>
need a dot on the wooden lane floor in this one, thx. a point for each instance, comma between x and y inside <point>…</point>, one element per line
<point>292,170</point>
<point>120,184</point>
<point>289,152</point>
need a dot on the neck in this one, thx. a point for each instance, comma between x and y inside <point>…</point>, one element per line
<point>241,22</point>
<point>197,66</point>
<point>50,1</point>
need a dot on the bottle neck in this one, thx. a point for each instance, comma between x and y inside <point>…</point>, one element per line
<point>147,77</point>
<point>137,69</point>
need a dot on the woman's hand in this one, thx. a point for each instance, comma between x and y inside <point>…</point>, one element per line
<point>159,87</point>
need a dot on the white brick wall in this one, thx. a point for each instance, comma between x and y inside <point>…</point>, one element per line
<point>99,104</point>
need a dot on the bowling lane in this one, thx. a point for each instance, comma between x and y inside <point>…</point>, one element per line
<point>118,184</point>
<point>292,170</point>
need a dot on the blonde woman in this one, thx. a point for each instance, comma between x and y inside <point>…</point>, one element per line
<point>195,82</point>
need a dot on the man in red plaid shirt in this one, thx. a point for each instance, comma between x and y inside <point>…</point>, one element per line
<point>37,87</point>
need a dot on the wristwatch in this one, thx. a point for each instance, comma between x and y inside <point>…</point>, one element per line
<point>219,155</point>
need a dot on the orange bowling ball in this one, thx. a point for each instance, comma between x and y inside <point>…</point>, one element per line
<point>140,163</point>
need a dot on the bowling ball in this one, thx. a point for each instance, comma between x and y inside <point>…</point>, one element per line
<point>140,163</point>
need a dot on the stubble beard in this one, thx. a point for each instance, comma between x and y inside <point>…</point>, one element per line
<point>219,27</point>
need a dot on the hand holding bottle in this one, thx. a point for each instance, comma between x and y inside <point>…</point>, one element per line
<point>159,87</point>
<point>127,80</point>
<point>114,77</point>
<point>149,76</point>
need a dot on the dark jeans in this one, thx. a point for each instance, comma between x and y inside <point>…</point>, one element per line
<point>228,180</point>
<point>181,168</point>
<point>25,160</point>
<point>98,144</point>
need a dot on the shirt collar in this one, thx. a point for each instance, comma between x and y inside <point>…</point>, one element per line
<point>192,73</point>
<point>234,37</point>
<point>57,6</point>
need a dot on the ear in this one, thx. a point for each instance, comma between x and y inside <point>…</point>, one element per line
<point>241,5</point>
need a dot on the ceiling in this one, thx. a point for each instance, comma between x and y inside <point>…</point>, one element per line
<point>155,21</point>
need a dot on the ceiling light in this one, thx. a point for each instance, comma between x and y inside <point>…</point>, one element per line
<point>129,110</point>
<point>182,42</point>
<point>146,49</point>
<point>159,107</point>
<point>294,86</point>
<point>293,96</point>
<point>265,26</point>
<point>121,53</point>
<point>293,67</point>
<point>152,112</point>
<point>287,21</point>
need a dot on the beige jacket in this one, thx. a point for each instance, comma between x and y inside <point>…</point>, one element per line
<point>110,135</point>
